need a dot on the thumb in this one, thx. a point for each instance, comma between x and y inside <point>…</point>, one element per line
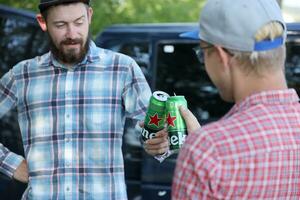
<point>191,121</point>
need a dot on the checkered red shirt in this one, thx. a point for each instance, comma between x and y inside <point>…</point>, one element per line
<point>251,153</point>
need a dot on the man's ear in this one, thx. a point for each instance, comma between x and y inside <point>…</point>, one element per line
<point>224,56</point>
<point>42,22</point>
<point>90,14</point>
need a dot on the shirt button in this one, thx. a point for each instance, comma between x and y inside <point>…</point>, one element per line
<point>67,189</point>
<point>68,140</point>
<point>68,116</point>
<point>68,164</point>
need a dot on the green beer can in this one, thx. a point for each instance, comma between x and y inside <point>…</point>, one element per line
<point>156,115</point>
<point>177,130</point>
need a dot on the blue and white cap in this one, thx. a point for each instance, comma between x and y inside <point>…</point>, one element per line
<point>233,24</point>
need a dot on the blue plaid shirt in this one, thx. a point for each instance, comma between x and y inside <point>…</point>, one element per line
<point>72,122</point>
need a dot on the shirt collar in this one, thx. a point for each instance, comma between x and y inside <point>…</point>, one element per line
<point>272,97</point>
<point>91,56</point>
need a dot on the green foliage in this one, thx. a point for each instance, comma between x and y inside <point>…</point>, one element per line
<point>25,4</point>
<point>107,12</point>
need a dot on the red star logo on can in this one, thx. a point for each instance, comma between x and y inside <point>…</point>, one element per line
<point>170,120</point>
<point>154,120</point>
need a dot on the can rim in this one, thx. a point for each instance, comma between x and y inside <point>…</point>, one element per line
<point>161,96</point>
<point>177,97</point>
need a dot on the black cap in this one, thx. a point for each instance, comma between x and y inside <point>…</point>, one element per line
<point>45,4</point>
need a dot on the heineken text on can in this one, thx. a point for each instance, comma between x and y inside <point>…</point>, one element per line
<point>176,125</point>
<point>156,115</point>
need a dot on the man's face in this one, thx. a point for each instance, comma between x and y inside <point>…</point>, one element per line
<point>68,30</point>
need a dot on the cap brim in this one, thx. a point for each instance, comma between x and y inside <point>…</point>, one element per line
<point>259,46</point>
<point>190,35</point>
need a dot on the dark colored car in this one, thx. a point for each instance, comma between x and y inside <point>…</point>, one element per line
<point>168,63</point>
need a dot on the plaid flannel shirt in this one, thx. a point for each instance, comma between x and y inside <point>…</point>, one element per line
<point>71,121</point>
<point>251,153</point>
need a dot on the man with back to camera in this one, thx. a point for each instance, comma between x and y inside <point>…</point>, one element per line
<point>72,103</point>
<point>253,152</point>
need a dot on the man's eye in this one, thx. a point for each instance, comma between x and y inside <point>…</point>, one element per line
<point>60,25</point>
<point>80,22</point>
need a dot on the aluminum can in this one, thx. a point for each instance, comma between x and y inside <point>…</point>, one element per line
<point>177,130</point>
<point>156,115</point>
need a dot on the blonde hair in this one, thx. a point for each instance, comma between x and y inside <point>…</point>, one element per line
<point>260,61</point>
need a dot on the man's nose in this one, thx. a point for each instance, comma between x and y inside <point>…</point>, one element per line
<point>71,32</point>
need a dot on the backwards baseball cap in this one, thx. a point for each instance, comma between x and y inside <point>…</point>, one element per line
<point>233,24</point>
<point>45,4</point>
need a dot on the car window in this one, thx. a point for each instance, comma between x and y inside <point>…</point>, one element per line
<point>179,72</point>
<point>293,65</point>
<point>138,50</point>
<point>19,40</point>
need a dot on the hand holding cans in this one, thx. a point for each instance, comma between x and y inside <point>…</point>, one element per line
<point>162,110</point>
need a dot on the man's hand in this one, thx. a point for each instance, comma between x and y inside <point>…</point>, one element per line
<point>191,121</point>
<point>21,173</point>
<point>160,144</point>
<point>157,145</point>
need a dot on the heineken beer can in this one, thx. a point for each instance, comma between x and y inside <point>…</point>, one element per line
<point>156,115</point>
<point>176,125</point>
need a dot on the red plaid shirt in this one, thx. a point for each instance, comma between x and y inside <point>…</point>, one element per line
<point>251,153</point>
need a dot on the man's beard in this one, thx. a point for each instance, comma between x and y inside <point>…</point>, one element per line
<point>71,56</point>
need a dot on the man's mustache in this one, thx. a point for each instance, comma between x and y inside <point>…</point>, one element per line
<point>71,41</point>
